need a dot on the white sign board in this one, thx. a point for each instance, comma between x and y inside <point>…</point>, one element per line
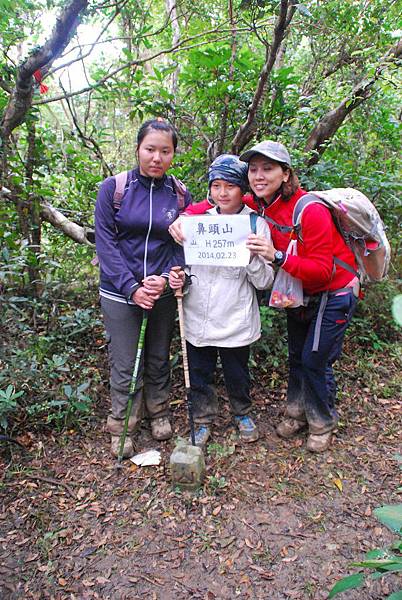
<point>218,240</point>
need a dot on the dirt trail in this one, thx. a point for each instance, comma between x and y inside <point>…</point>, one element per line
<point>272,521</point>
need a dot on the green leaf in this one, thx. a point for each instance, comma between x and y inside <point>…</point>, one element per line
<point>395,596</point>
<point>388,564</point>
<point>83,386</point>
<point>376,553</point>
<point>303,10</point>
<point>68,390</point>
<point>350,582</point>
<point>81,406</point>
<point>391,516</point>
<point>397,314</point>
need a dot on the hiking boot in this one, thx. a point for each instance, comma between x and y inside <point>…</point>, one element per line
<point>128,448</point>
<point>319,442</point>
<point>161,429</point>
<point>247,428</point>
<point>201,435</point>
<point>289,427</point>
<point>115,427</point>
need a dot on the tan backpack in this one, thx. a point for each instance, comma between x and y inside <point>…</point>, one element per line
<point>358,221</point>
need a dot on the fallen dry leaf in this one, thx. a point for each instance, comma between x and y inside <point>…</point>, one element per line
<point>31,557</point>
<point>338,483</point>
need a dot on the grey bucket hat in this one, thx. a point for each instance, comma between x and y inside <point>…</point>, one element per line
<point>273,150</point>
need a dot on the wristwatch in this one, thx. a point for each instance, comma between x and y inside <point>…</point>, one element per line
<point>279,258</point>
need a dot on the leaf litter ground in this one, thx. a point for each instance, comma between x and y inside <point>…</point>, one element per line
<point>271,522</point>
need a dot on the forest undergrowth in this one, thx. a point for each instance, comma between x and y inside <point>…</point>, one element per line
<point>271,521</point>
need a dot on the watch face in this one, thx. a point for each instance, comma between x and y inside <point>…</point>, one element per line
<point>278,257</point>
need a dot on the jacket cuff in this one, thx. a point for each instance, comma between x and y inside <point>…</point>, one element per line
<point>132,290</point>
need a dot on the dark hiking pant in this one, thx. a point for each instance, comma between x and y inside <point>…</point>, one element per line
<point>202,367</point>
<point>123,324</point>
<point>311,388</point>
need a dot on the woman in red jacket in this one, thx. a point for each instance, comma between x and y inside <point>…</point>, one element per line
<point>315,331</point>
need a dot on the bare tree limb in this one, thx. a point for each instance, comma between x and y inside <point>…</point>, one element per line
<point>21,98</point>
<point>332,120</point>
<point>343,59</point>
<point>5,86</point>
<point>81,235</point>
<point>245,131</point>
<point>91,46</point>
<point>74,231</point>
<point>87,140</point>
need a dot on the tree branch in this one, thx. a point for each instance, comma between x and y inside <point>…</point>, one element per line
<point>21,98</point>
<point>180,47</point>
<point>91,46</point>
<point>172,12</point>
<point>332,120</point>
<point>81,235</point>
<point>127,65</point>
<point>74,231</point>
<point>88,141</point>
<point>245,131</point>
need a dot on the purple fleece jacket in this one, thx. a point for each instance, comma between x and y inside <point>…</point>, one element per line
<point>133,241</point>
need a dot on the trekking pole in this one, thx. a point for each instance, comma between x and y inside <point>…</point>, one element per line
<point>179,297</point>
<point>133,383</point>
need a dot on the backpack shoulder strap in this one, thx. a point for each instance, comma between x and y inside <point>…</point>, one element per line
<point>121,180</point>
<point>180,190</point>
<point>301,204</point>
<point>281,228</point>
<point>253,221</point>
<point>341,263</point>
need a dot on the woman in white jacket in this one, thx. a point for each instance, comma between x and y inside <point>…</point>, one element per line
<point>221,312</point>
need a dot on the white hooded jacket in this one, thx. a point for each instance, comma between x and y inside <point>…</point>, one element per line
<point>221,307</point>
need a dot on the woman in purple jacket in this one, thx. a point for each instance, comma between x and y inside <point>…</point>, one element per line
<point>136,253</point>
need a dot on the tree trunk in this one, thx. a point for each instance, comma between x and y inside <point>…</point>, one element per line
<point>225,113</point>
<point>172,12</point>
<point>332,120</point>
<point>21,97</point>
<point>31,220</point>
<point>246,131</point>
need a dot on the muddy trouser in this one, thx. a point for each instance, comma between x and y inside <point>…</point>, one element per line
<point>123,323</point>
<point>202,367</point>
<point>311,387</point>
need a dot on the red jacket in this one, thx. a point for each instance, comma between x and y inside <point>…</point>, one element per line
<point>314,264</point>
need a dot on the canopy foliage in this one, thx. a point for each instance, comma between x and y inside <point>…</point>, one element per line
<point>320,76</point>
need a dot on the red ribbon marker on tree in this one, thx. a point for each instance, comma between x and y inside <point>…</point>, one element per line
<point>38,78</point>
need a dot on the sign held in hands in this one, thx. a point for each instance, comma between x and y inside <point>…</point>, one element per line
<point>218,240</point>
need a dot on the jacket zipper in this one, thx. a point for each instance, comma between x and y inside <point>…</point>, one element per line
<point>149,228</point>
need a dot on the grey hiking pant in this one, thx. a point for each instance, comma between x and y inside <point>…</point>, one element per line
<point>123,324</point>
